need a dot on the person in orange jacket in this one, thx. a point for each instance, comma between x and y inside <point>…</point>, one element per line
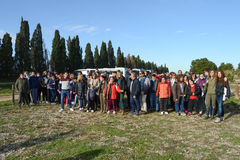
<point>164,93</point>
<point>112,94</point>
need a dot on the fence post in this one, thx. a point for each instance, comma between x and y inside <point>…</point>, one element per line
<point>237,91</point>
<point>13,100</point>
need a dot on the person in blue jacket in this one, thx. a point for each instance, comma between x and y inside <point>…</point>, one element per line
<point>53,85</point>
<point>34,85</point>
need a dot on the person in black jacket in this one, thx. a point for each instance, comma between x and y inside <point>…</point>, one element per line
<point>128,81</point>
<point>135,92</point>
<point>122,83</point>
<point>80,91</point>
<point>193,94</point>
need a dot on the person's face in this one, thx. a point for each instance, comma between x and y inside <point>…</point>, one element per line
<point>141,74</point>
<point>206,73</point>
<point>102,79</point>
<point>201,76</point>
<point>212,73</point>
<point>167,74</point>
<point>185,77</point>
<point>173,76</point>
<point>21,76</point>
<point>130,71</point>
<point>193,76</point>
<point>65,75</point>
<point>38,75</point>
<point>94,76</point>
<point>81,78</point>
<point>179,72</point>
<point>114,74</point>
<point>190,82</point>
<point>181,79</point>
<point>33,74</point>
<point>79,73</point>
<point>145,73</point>
<point>153,78</point>
<point>163,80</point>
<point>219,74</point>
<point>53,77</point>
<point>111,80</point>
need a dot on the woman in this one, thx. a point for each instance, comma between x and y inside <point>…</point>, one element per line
<point>95,83</point>
<point>194,77</point>
<point>48,88</point>
<point>210,90</point>
<point>179,95</point>
<point>71,76</point>
<point>80,90</point>
<point>201,101</point>
<point>102,86</point>
<point>185,78</point>
<point>171,82</point>
<point>122,84</point>
<point>111,94</point>
<point>43,83</point>
<point>220,91</point>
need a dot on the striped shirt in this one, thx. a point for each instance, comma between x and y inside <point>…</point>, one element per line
<point>65,84</point>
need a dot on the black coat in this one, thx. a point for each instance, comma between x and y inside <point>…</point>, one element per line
<point>128,79</point>
<point>197,92</point>
<point>136,88</point>
<point>122,84</point>
<point>80,89</point>
<point>220,89</point>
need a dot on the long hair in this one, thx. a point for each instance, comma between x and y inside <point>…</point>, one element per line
<point>120,75</point>
<point>209,76</point>
<point>79,78</point>
<point>221,79</point>
<point>192,75</point>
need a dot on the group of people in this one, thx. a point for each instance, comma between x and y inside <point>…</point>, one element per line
<point>145,92</point>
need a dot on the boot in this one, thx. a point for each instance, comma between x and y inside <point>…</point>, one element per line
<point>207,112</point>
<point>217,120</point>
<point>122,112</point>
<point>213,112</point>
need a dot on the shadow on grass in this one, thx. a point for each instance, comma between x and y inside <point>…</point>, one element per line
<point>32,142</point>
<point>86,155</point>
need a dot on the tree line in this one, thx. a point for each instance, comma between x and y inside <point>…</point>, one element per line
<point>32,55</point>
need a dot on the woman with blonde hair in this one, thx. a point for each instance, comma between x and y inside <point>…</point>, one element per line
<point>122,84</point>
<point>80,90</point>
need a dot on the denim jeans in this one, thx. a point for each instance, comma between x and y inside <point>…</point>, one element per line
<point>220,105</point>
<point>135,104</point>
<point>80,102</point>
<point>53,95</point>
<point>180,105</point>
<point>153,101</point>
<point>24,97</point>
<point>63,94</point>
<point>75,100</point>
<point>34,94</point>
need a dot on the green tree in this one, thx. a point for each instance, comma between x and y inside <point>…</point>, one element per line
<point>96,58</point>
<point>62,57</point>
<point>119,57</point>
<point>227,66</point>
<point>129,63</point>
<point>22,56</point>
<point>104,56</point>
<point>238,66</point>
<point>88,60</point>
<point>6,58</point>
<point>199,65</point>
<point>111,57</point>
<point>36,52</point>
<point>55,56</point>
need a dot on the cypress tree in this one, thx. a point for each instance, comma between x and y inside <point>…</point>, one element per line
<point>129,63</point>
<point>96,58</point>
<point>104,56</point>
<point>111,57</point>
<point>62,57</point>
<point>6,59</point>
<point>36,52</point>
<point>22,57</point>
<point>88,60</point>
<point>55,51</point>
<point>119,56</point>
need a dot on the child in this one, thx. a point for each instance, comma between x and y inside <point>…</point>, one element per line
<point>163,92</point>
<point>90,98</point>
<point>193,91</point>
<point>52,85</point>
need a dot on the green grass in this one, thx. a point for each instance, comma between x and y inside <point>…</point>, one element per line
<point>41,132</point>
<point>6,90</point>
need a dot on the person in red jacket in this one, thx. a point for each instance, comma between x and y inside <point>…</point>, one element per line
<point>164,93</point>
<point>112,94</point>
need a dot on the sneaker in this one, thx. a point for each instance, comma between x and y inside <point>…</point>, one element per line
<point>217,120</point>
<point>183,114</point>
<point>200,112</point>
<point>61,110</point>
<point>71,109</point>
<point>222,118</point>
<point>177,114</point>
<point>166,112</point>
<point>199,115</point>
<point>72,102</point>
<point>108,112</point>
<point>162,113</point>
<point>31,103</point>
<point>186,111</point>
<point>137,114</point>
<point>131,113</point>
<point>46,101</point>
<point>53,103</point>
<point>92,110</point>
<point>87,110</point>
<point>189,114</point>
<point>114,112</point>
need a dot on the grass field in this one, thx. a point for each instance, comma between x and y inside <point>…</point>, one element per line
<point>6,90</point>
<point>41,132</point>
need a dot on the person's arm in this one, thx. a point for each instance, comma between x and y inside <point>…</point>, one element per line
<point>169,90</point>
<point>188,92</point>
<point>60,86</point>
<point>228,91</point>
<point>118,88</point>
<point>158,90</point>
<point>16,85</point>
<point>197,90</point>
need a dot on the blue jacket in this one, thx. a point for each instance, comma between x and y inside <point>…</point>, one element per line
<point>51,85</point>
<point>34,82</point>
<point>136,88</point>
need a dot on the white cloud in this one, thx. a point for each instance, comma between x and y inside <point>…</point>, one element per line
<point>73,27</point>
<point>179,31</point>
<point>200,34</point>
<point>2,32</point>
<point>87,29</point>
<point>108,29</point>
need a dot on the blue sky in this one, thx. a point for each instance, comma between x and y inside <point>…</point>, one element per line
<point>164,31</point>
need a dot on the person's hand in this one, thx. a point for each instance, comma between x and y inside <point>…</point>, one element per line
<point>207,81</point>
<point>204,84</point>
<point>193,94</point>
<point>226,97</point>
<point>134,97</point>
<point>76,95</point>
<point>17,90</point>
<point>184,95</point>
<point>176,100</point>
<point>85,95</point>
<point>159,92</point>
<point>70,92</point>
<point>103,95</point>
<point>59,92</point>
<point>53,83</point>
<point>122,91</point>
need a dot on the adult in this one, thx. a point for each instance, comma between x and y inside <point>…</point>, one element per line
<point>48,87</point>
<point>34,85</point>
<point>180,73</point>
<point>135,92</point>
<point>39,89</point>
<point>102,87</point>
<point>43,83</point>
<point>80,91</point>
<point>128,80</point>
<point>122,84</point>
<point>172,81</point>
<point>25,75</point>
<point>95,83</point>
<point>53,85</point>
<point>64,88</point>
<point>22,87</point>
<point>144,86</point>
<point>153,97</point>
<point>194,77</point>
<point>201,101</point>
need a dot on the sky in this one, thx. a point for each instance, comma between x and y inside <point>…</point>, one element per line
<point>171,32</point>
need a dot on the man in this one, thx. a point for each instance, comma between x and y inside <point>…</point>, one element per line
<point>39,89</point>
<point>52,85</point>
<point>128,80</point>
<point>64,88</point>
<point>167,75</point>
<point>153,90</point>
<point>134,94</point>
<point>25,75</point>
<point>146,74</point>
<point>145,85</point>
<point>34,85</point>
<point>22,87</point>
<point>179,73</point>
